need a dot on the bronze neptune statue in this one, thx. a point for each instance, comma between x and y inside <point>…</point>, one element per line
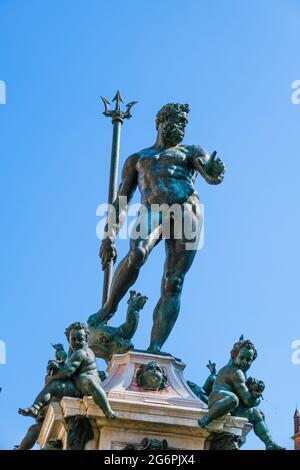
<point>165,174</point>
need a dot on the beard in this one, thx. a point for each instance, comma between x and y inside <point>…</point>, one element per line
<point>172,134</point>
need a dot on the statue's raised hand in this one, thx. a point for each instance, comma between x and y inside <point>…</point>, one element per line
<point>107,253</point>
<point>212,367</point>
<point>136,301</point>
<point>215,167</point>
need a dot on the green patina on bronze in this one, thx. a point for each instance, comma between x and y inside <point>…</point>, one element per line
<point>233,393</point>
<point>76,377</point>
<point>117,117</point>
<point>29,440</point>
<point>108,340</point>
<point>165,174</point>
<point>204,391</point>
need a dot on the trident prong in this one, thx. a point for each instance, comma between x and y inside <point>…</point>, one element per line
<point>128,108</point>
<point>117,114</point>
<point>118,99</point>
<point>106,104</point>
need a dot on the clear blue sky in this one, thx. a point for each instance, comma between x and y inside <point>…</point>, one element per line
<point>233,61</point>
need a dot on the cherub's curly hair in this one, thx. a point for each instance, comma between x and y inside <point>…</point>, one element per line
<point>76,326</point>
<point>169,110</point>
<point>243,343</point>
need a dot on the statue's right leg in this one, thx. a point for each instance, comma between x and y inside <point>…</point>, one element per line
<point>54,389</point>
<point>227,403</point>
<point>41,400</point>
<point>128,270</point>
<point>260,428</point>
<point>31,437</point>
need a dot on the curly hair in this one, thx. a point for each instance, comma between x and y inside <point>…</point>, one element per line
<point>153,365</point>
<point>76,326</point>
<point>169,110</point>
<point>243,343</point>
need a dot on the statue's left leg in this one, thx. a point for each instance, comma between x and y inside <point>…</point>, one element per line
<point>90,385</point>
<point>180,253</point>
<point>40,401</point>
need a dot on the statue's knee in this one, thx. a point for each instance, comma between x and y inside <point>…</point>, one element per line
<point>137,257</point>
<point>255,416</point>
<point>34,428</point>
<point>174,283</point>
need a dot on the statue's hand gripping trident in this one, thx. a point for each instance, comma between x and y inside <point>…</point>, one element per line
<point>107,253</point>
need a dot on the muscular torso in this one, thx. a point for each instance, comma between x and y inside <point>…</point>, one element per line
<point>225,379</point>
<point>166,176</point>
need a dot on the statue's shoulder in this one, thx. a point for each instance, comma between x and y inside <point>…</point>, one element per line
<point>238,375</point>
<point>91,354</point>
<point>79,355</point>
<point>223,371</point>
<point>131,161</point>
<point>196,150</point>
<point>133,157</point>
<point>146,151</point>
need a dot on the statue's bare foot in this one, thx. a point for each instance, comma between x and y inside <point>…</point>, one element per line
<point>204,421</point>
<point>274,446</point>
<point>31,411</point>
<point>93,319</point>
<point>111,415</point>
<point>99,317</point>
<point>154,349</point>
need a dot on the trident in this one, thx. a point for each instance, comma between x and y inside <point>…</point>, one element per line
<point>117,116</point>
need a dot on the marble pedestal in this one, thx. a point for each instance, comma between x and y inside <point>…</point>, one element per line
<point>169,415</point>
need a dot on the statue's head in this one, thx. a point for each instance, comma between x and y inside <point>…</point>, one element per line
<point>171,121</point>
<point>151,376</point>
<point>77,335</point>
<point>255,386</point>
<point>243,354</point>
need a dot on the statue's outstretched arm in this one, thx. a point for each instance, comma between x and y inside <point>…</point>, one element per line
<point>208,385</point>
<point>135,303</point>
<point>211,168</point>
